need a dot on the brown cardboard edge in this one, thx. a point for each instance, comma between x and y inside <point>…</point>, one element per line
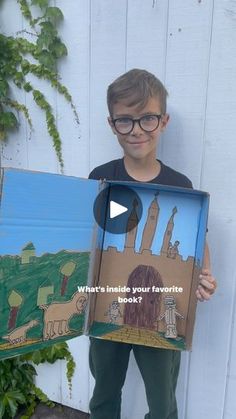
<point>192,307</point>
<point>94,269</point>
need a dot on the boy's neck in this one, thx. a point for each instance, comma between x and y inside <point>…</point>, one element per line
<point>142,170</point>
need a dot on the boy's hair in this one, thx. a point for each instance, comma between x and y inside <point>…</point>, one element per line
<point>136,87</point>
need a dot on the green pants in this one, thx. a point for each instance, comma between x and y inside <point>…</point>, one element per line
<point>109,363</point>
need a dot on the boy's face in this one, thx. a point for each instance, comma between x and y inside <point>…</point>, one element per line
<point>139,144</point>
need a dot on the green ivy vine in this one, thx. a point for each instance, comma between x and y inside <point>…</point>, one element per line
<point>18,392</point>
<point>16,65</point>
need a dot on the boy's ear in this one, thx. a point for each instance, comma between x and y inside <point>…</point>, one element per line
<point>111,124</point>
<point>164,121</point>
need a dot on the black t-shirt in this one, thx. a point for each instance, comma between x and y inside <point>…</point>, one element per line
<point>115,170</point>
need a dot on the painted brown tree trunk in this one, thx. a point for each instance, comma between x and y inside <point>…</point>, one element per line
<point>66,270</point>
<point>12,318</point>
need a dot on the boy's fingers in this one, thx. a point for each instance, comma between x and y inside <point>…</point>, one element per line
<point>199,297</point>
<point>207,280</point>
<point>204,295</point>
<point>210,285</point>
<point>206,272</point>
<point>207,285</point>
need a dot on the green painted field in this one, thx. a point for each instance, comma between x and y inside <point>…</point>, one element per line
<point>25,286</point>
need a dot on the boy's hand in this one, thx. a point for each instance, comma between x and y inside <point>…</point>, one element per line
<point>207,285</point>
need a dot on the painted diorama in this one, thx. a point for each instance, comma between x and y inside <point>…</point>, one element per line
<point>51,248</point>
<point>46,234</point>
<point>150,273</point>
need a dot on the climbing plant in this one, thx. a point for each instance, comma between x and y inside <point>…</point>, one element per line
<point>18,391</point>
<point>20,57</point>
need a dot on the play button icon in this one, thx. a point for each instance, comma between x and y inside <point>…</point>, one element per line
<point>117,209</point>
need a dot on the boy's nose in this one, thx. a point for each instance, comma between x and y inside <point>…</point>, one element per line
<point>136,129</point>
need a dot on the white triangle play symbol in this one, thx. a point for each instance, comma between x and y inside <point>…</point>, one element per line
<point>116,209</point>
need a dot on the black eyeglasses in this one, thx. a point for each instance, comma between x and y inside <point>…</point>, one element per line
<point>148,123</point>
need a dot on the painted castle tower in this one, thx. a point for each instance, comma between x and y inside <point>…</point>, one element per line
<point>168,233</point>
<point>132,226</point>
<point>150,226</point>
<point>150,229</point>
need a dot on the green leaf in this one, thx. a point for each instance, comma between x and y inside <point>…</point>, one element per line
<point>25,10</point>
<point>25,66</point>
<point>48,29</point>
<point>16,395</point>
<point>4,87</point>
<point>8,120</point>
<point>43,40</point>
<point>36,357</point>
<point>3,136</point>
<point>11,400</point>
<point>54,14</point>
<point>27,87</point>
<point>58,49</point>
<point>12,406</point>
<point>2,406</point>
<point>46,59</point>
<point>18,78</point>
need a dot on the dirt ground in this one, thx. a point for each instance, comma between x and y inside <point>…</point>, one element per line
<point>58,412</point>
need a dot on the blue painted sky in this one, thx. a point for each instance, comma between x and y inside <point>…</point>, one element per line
<point>46,209</point>
<point>56,212</point>
<point>186,222</point>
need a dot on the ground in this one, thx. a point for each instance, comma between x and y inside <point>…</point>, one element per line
<point>58,412</point>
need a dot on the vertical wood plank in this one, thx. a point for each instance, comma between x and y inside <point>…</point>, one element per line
<point>230,400</point>
<point>46,370</point>
<point>210,358</point>
<point>187,52</point>
<point>108,51</point>
<point>40,151</point>
<point>75,70</point>
<point>14,149</point>
<point>146,36</point>
<point>80,395</point>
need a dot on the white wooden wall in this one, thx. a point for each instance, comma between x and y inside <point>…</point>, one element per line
<point>191,46</point>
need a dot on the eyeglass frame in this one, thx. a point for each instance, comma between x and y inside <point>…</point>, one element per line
<point>133,120</point>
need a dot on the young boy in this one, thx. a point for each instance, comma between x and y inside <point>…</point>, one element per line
<point>137,116</point>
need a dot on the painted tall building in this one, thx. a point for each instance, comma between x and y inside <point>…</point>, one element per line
<point>168,233</point>
<point>150,226</point>
<point>132,226</point>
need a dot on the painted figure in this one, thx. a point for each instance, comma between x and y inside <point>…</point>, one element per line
<point>18,335</point>
<point>170,315</point>
<point>173,250</point>
<point>113,311</point>
<point>57,315</point>
<point>145,313</point>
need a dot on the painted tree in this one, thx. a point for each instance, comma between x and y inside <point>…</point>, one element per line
<point>66,270</point>
<point>14,300</point>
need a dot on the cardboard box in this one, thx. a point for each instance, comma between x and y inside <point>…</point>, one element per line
<point>53,256</point>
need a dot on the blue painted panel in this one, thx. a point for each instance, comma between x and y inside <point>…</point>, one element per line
<point>55,212</point>
<point>46,231</point>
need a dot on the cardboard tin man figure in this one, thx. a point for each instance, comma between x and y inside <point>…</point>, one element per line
<point>113,311</point>
<point>170,315</point>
